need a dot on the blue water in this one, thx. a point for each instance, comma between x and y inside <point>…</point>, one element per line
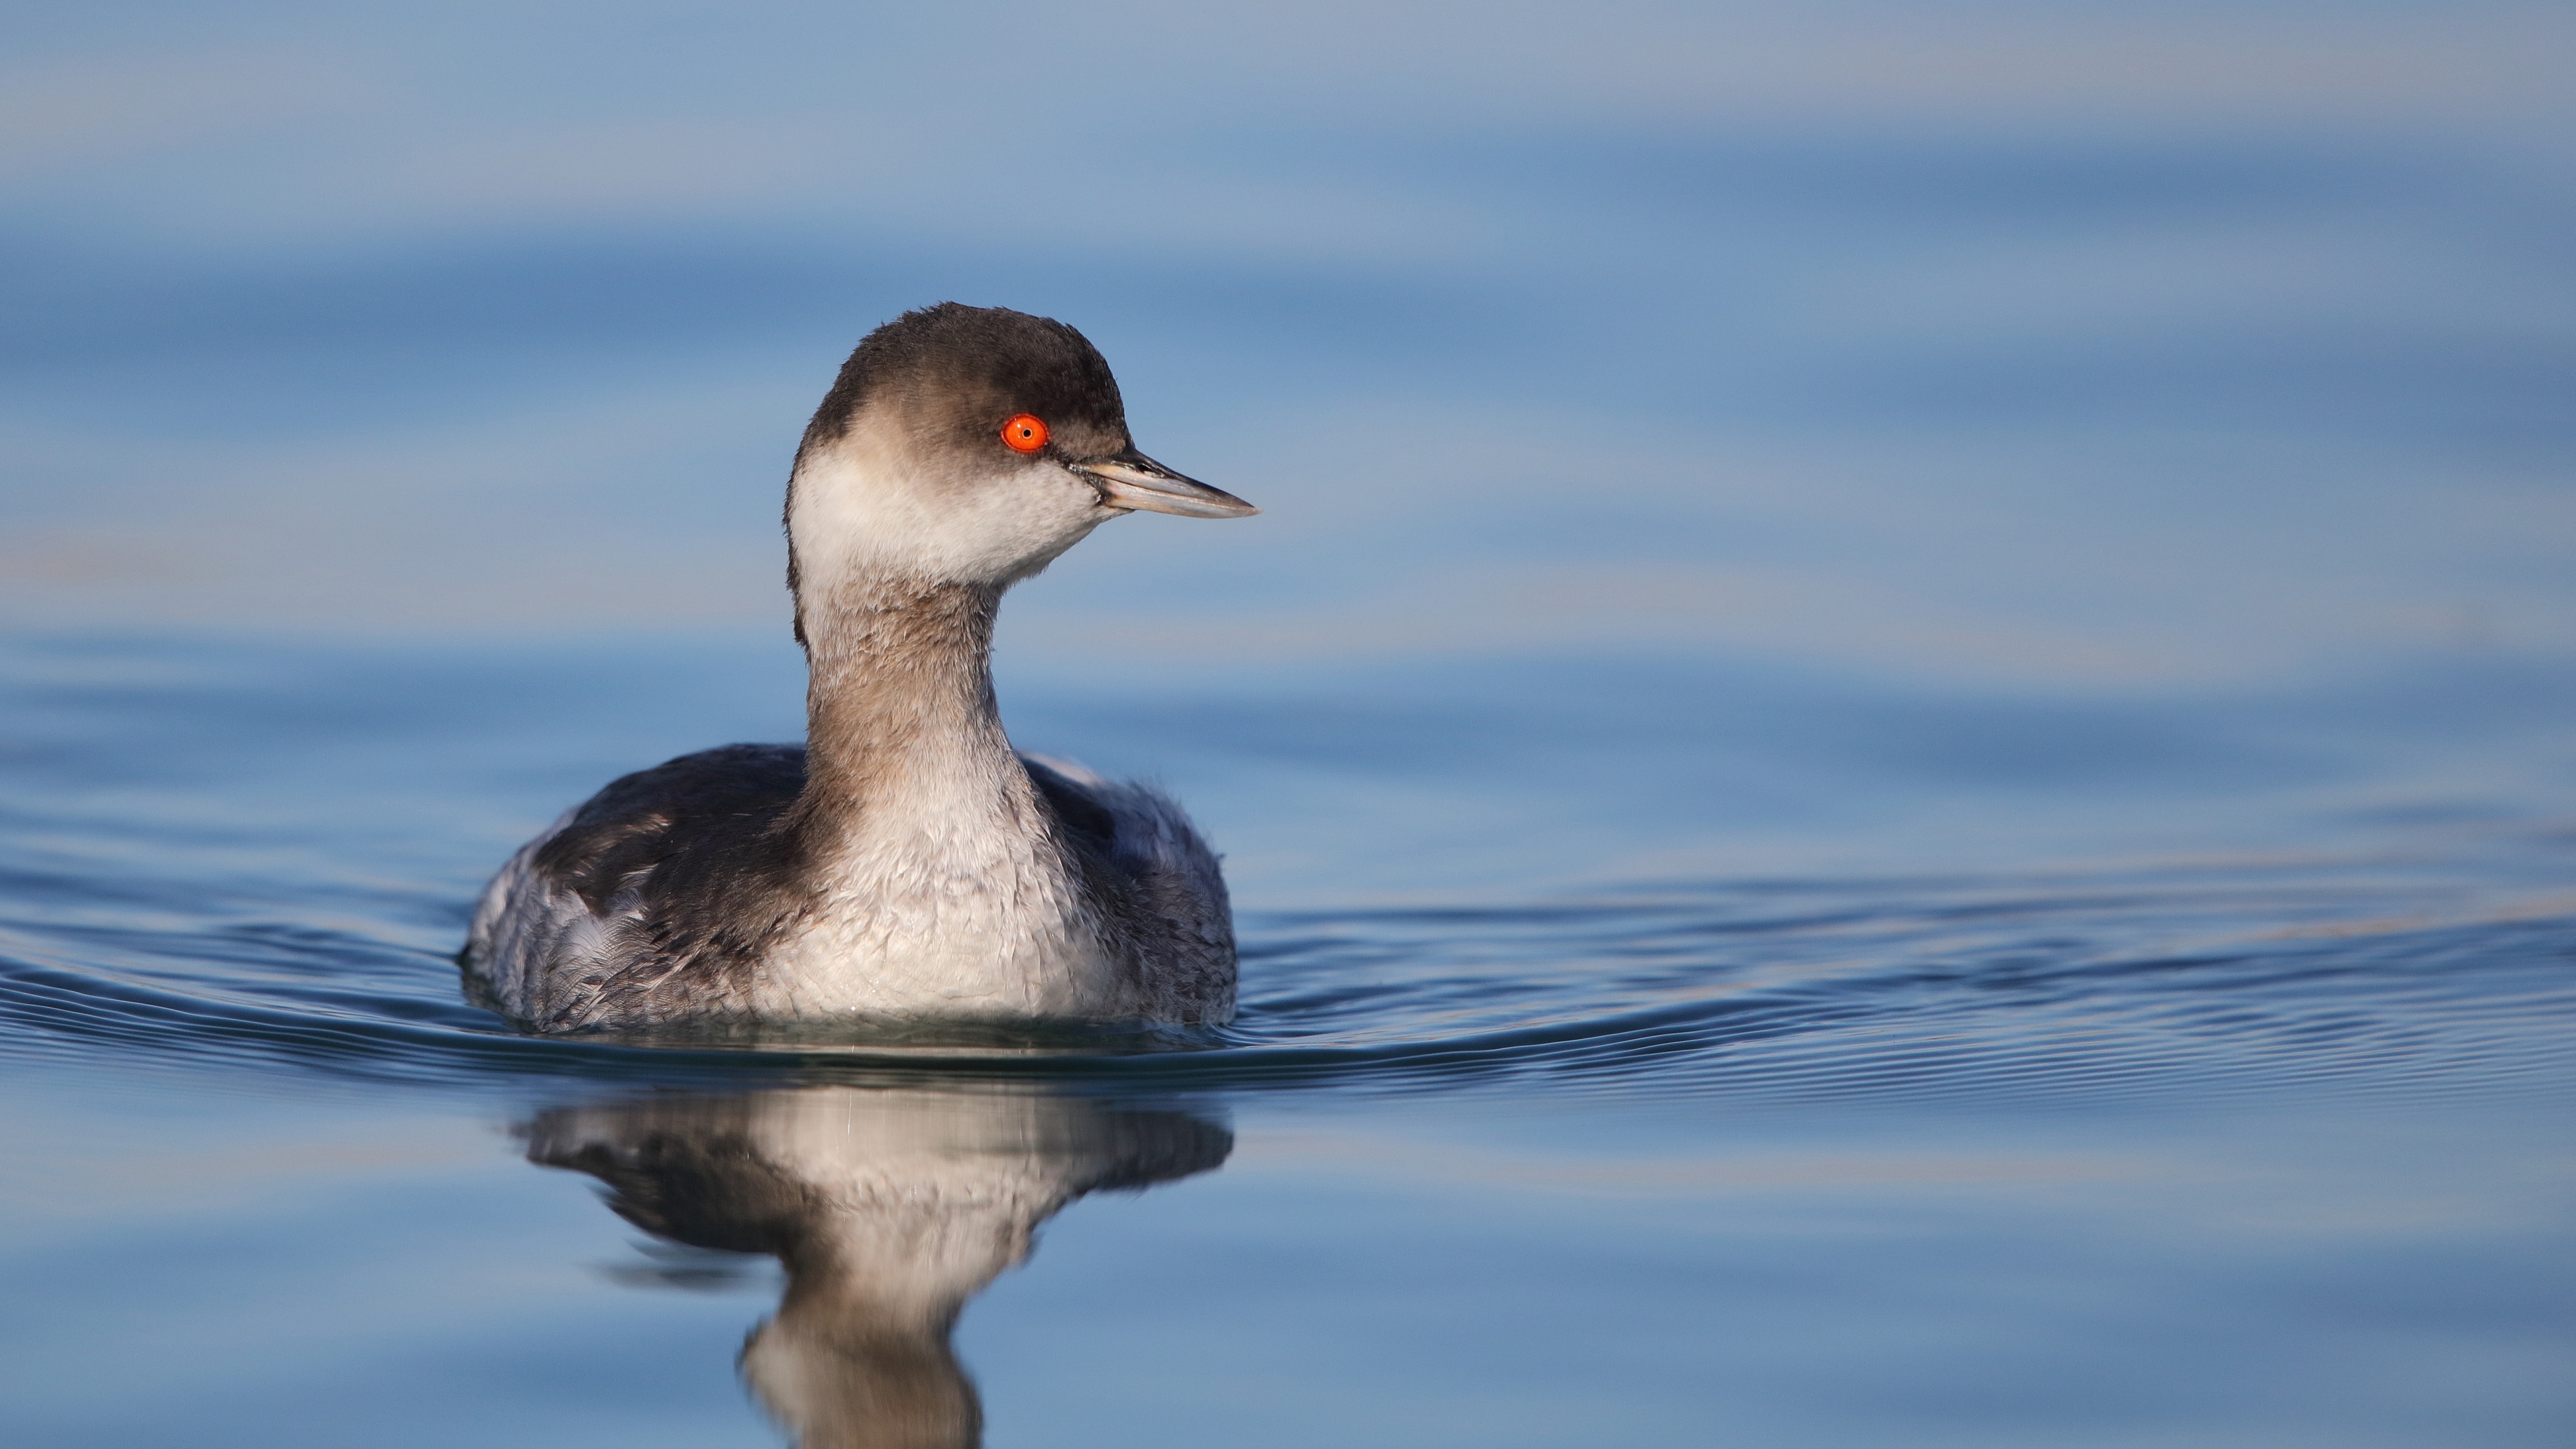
<point>1894,752</point>
<point>2184,1148</point>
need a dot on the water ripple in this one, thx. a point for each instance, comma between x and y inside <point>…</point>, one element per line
<point>2170,982</point>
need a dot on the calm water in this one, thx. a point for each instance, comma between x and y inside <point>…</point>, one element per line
<point>2251,1148</point>
<point>1895,751</point>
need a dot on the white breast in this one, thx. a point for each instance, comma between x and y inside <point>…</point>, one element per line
<point>949,900</point>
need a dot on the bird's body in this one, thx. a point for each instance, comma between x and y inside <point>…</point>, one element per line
<point>906,864</point>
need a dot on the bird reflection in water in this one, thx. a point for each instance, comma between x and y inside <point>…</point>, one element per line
<point>888,1208</point>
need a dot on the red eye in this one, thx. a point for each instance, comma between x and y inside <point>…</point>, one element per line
<point>1025,433</point>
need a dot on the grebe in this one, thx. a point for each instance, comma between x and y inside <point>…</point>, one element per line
<point>904,865</point>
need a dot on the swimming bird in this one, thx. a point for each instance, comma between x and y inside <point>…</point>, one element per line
<point>905,864</point>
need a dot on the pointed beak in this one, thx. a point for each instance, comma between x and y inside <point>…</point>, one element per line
<point>1132,480</point>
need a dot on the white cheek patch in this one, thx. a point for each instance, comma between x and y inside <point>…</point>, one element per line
<point>867,505</point>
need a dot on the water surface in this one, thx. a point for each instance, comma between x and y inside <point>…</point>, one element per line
<point>2180,1148</point>
<point>1894,750</point>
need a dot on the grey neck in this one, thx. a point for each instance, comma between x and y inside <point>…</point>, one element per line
<point>901,689</point>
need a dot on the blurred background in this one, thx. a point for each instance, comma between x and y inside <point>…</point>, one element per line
<point>1894,753</point>
<point>1694,438</point>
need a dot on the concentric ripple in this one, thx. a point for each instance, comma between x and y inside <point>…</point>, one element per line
<point>260,862</point>
<point>2171,981</point>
